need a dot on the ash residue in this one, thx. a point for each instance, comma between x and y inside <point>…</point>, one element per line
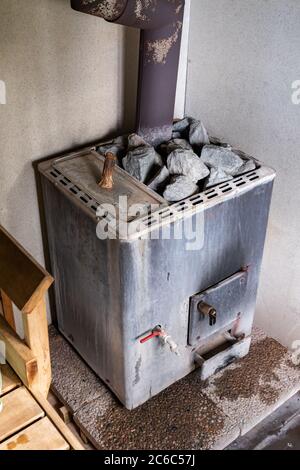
<point>108,9</point>
<point>180,417</point>
<point>178,5</point>
<point>141,8</point>
<point>254,375</point>
<point>157,51</point>
<point>178,9</point>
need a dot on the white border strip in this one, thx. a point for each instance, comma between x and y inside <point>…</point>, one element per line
<point>179,111</point>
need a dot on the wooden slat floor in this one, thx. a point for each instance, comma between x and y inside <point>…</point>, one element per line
<point>23,424</point>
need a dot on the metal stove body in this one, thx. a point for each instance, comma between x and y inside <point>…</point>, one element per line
<point>111,294</point>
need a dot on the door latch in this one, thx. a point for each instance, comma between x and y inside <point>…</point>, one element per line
<point>207,310</point>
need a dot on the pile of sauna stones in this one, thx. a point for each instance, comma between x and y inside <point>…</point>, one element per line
<point>191,161</point>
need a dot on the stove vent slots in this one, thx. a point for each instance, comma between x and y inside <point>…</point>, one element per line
<point>167,214</point>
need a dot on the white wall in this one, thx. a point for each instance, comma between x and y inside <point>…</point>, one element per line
<point>244,56</point>
<point>179,110</point>
<point>66,85</point>
<point>64,76</point>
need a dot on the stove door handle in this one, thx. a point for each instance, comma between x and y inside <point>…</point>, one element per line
<point>208,310</point>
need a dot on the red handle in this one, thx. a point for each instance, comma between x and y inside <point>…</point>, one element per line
<point>152,335</point>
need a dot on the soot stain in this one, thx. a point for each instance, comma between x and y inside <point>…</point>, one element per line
<point>137,371</point>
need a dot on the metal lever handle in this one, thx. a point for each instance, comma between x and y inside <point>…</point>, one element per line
<point>153,334</point>
<point>166,339</point>
<point>208,310</point>
<point>107,175</point>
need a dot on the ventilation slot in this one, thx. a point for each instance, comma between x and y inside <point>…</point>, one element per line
<point>164,211</point>
<point>181,206</point>
<point>149,222</point>
<point>197,202</point>
<point>193,198</point>
<point>227,189</point>
<point>88,201</point>
<point>209,192</point>
<point>166,215</point>
<point>84,198</point>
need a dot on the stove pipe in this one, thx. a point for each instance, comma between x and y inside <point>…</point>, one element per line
<point>160,22</point>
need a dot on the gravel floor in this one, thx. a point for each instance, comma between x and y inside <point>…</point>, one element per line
<point>188,415</point>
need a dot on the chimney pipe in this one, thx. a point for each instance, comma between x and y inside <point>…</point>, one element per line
<point>160,22</point>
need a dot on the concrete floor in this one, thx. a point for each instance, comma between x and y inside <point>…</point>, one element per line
<point>190,414</point>
<point>279,431</point>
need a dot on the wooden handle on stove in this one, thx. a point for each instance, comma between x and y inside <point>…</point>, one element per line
<point>108,169</point>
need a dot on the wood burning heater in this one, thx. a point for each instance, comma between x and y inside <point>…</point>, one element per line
<point>148,295</point>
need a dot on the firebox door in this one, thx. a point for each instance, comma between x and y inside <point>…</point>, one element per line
<point>217,308</point>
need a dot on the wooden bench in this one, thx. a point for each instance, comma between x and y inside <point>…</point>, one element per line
<point>27,420</point>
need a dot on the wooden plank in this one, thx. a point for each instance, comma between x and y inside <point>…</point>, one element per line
<point>18,355</point>
<point>9,379</point>
<point>41,435</point>
<point>65,415</point>
<point>83,437</point>
<point>36,338</point>
<point>58,422</point>
<point>19,410</point>
<point>23,280</point>
<point>7,308</point>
